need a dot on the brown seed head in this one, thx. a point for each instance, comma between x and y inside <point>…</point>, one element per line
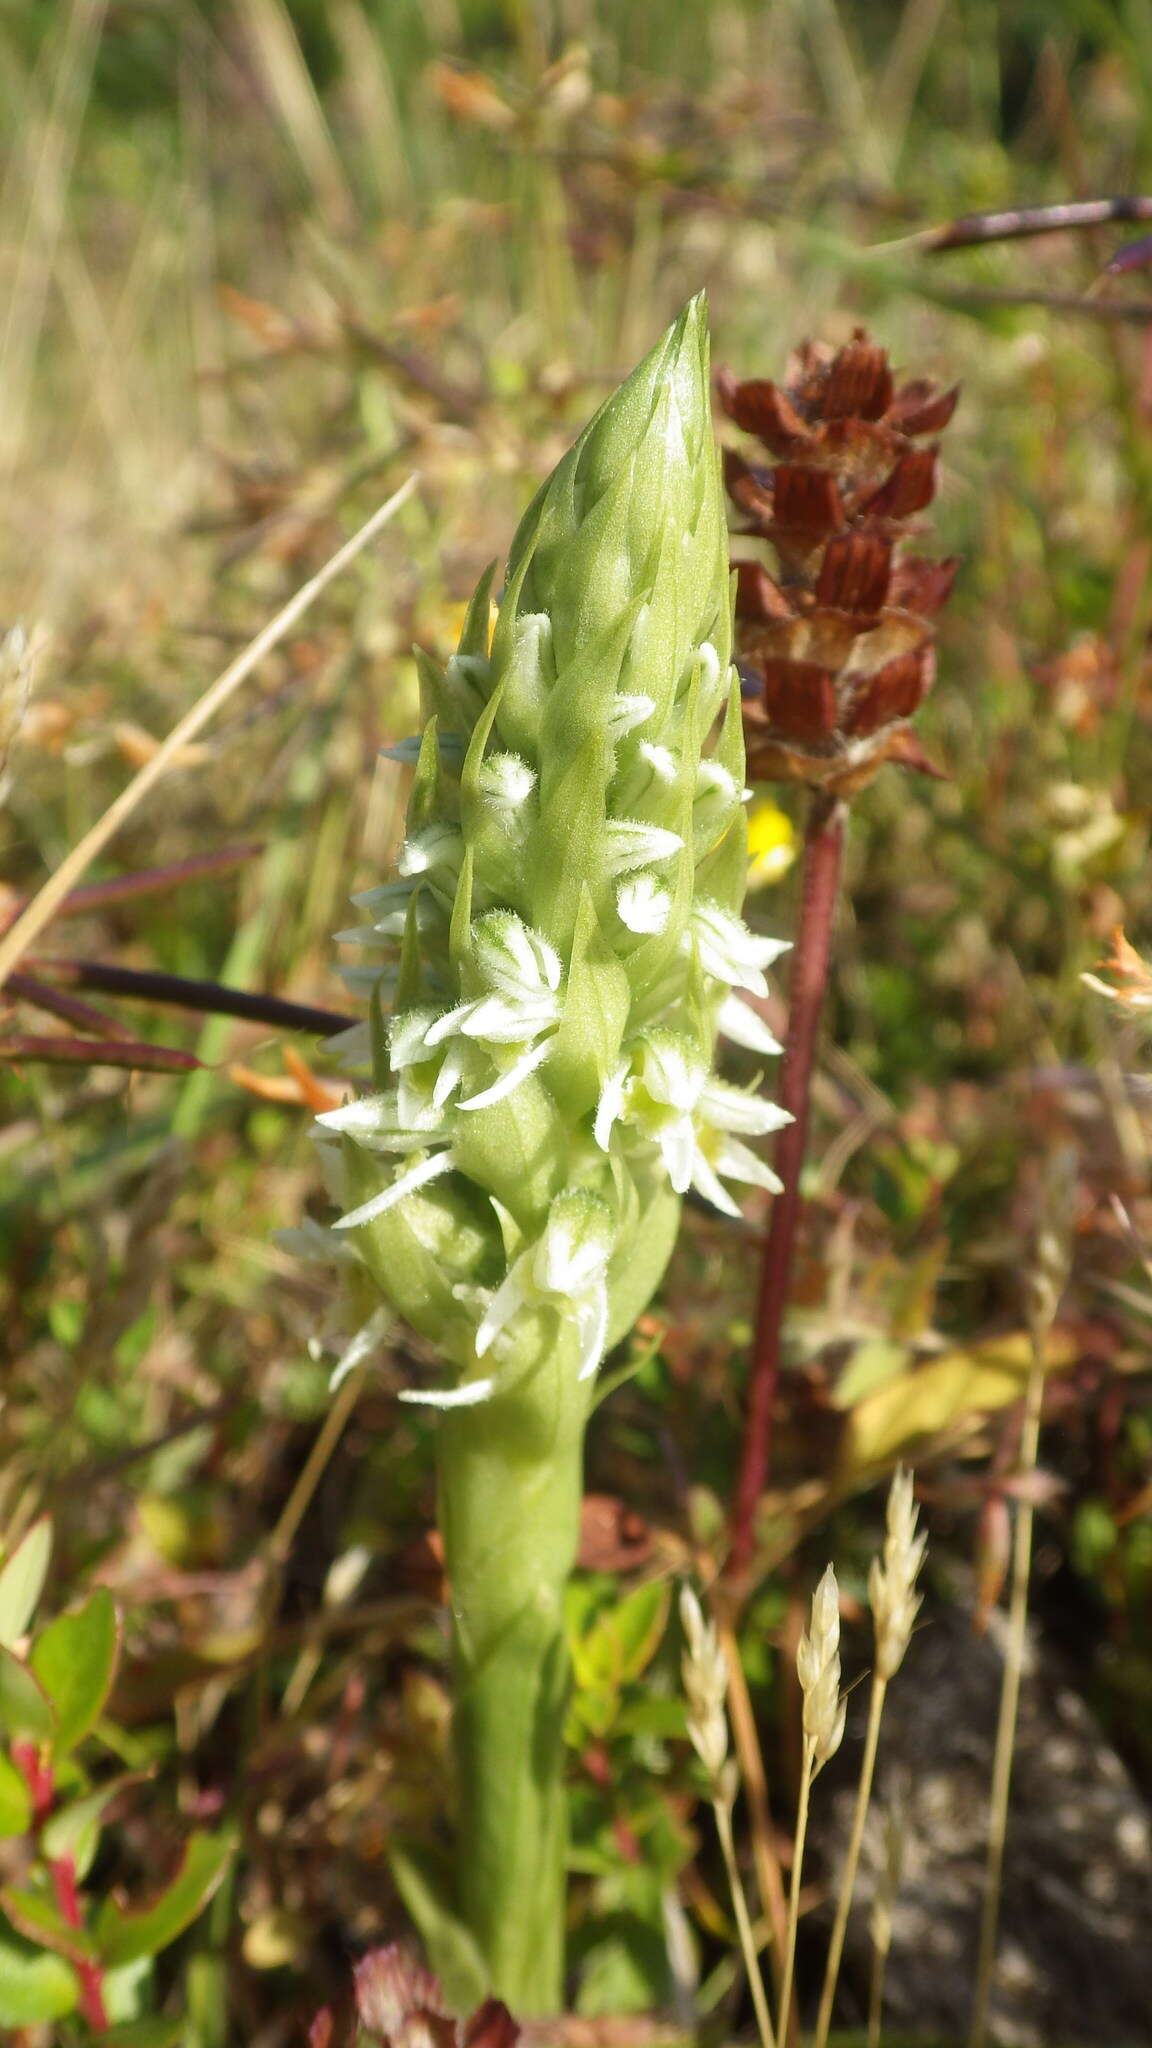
<point>838,644</point>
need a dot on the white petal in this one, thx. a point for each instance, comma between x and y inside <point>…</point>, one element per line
<point>508,1081</point>
<point>633,845</point>
<point>610,1107</point>
<point>625,713</point>
<point>643,905</point>
<point>367,1337</point>
<point>706,1183</point>
<point>416,1177</point>
<point>592,1323</point>
<point>744,1026</point>
<point>509,1023</point>
<point>362,1118</point>
<point>677,1142</point>
<point>508,1299</point>
<point>735,1160</point>
<point>469,1395</point>
<point>729,1109</point>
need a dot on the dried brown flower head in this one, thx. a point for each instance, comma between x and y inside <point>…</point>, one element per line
<point>838,644</point>
<point>400,2005</point>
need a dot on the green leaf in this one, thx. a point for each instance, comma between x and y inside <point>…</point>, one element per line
<point>22,1581</point>
<point>452,1951</point>
<point>75,1661</point>
<point>122,1935</point>
<point>15,1800</point>
<point>24,1707</point>
<point>150,2033</point>
<point>34,1987</point>
<point>74,1830</point>
<point>37,1916</point>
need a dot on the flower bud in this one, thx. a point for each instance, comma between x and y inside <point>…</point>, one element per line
<point>565,931</point>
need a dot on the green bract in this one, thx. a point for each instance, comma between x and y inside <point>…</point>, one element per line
<point>561,946</point>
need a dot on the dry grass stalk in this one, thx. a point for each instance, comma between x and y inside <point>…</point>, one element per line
<point>895,1604</point>
<point>880,1920</point>
<point>818,1668</point>
<point>46,903</point>
<point>1046,1283</point>
<point>705,1673</point>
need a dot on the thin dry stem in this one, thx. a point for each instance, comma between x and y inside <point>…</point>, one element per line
<point>705,1667</point>
<point>1046,1283</point>
<point>808,1772</point>
<point>880,1922</point>
<point>769,1879</point>
<point>47,901</point>
<point>723,1811</point>
<point>1009,1699</point>
<point>852,1860</point>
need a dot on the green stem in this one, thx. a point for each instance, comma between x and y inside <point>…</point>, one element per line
<point>511,1477</point>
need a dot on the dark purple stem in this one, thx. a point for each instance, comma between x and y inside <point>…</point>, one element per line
<point>211,998</point>
<point>823,848</point>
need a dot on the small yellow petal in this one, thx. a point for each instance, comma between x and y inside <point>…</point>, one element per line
<point>771,843</point>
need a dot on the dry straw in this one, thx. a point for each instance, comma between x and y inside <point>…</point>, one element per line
<point>895,1605</point>
<point>818,1668</point>
<point>1045,1284</point>
<point>705,1672</point>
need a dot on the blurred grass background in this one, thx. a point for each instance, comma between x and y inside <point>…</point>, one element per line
<point>260,259</point>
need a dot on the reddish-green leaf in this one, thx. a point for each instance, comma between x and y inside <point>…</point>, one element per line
<point>74,1659</point>
<point>123,1936</point>
<point>39,1919</point>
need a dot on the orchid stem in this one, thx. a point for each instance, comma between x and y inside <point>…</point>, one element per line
<point>823,851</point>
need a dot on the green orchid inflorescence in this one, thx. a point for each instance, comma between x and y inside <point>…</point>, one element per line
<point>562,945</point>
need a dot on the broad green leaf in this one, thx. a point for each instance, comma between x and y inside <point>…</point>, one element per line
<point>151,2033</point>
<point>34,1987</point>
<point>24,1706</point>
<point>451,1948</point>
<point>37,1916</point>
<point>623,1639</point>
<point>22,1581</point>
<point>15,1800</point>
<point>870,1366</point>
<point>74,1659</point>
<point>122,1935</point>
<point>74,1830</point>
<point>945,1397</point>
<point>638,1624</point>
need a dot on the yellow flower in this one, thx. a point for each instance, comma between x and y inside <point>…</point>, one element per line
<point>771,843</point>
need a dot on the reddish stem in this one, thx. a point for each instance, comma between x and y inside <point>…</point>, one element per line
<point>823,848</point>
<point>91,1976</point>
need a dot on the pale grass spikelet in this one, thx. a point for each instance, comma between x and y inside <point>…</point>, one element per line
<point>892,1578</point>
<point>818,1668</point>
<point>705,1674</point>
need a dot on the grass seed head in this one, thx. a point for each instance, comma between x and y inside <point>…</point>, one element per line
<point>818,1667</point>
<point>892,1578</point>
<point>705,1674</point>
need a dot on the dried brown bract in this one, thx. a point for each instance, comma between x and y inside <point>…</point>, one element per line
<point>839,642</point>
